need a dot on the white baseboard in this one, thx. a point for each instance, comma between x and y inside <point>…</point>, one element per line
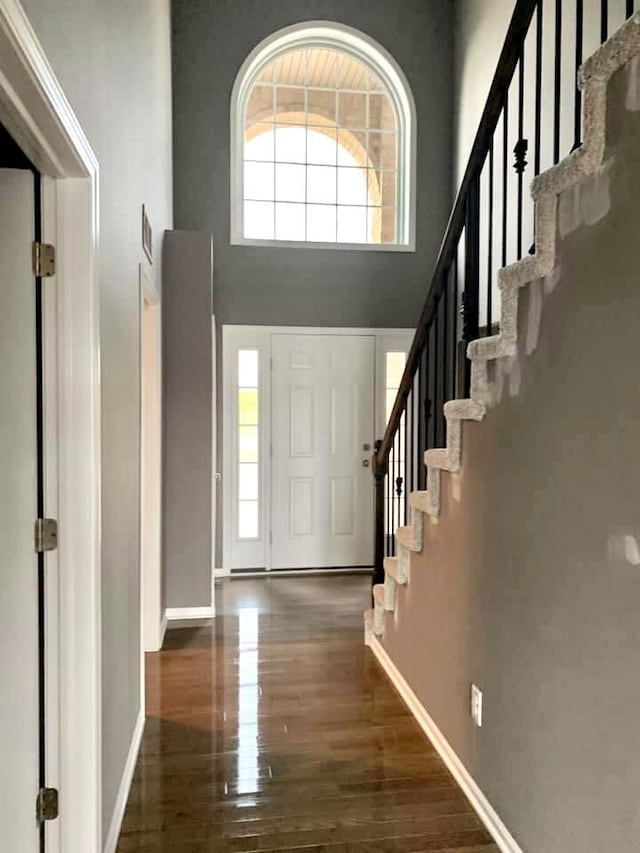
<point>299,573</point>
<point>177,613</point>
<point>481,805</point>
<point>125,784</point>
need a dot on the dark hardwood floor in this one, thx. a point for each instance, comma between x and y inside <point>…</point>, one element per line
<point>273,728</point>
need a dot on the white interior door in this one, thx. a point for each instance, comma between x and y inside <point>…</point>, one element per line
<point>19,638</point>
<point>322,420</point>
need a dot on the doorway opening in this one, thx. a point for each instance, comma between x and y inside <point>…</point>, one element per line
<point>62,746</point>
<point>22,566</point>
<point>302,409</point>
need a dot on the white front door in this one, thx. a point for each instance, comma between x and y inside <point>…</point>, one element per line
<point>19,632</point>
<point>322,421</point>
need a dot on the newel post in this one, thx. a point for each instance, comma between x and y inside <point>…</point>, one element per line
<point>379,467</point>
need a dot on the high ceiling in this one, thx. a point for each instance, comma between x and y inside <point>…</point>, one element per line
<point>320,68</point>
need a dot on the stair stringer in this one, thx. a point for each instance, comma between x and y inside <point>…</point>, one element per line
<point>593,79</point>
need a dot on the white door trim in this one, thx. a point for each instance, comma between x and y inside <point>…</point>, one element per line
<point>35,111</point>
<point>259,337</point>
<point>152,617</point>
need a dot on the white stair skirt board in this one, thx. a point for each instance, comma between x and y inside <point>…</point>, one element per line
<point>178,613</point>
<point>125,785</point>
<point>481,805</point>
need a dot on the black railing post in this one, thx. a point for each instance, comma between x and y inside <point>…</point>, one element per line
<point>471,294</point>
<point>379,475</point>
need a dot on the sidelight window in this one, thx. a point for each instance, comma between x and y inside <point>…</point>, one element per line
<point>248,445</point>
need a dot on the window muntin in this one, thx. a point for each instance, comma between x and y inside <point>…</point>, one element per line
<point>303,87</point>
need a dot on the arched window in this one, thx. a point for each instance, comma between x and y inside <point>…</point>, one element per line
<point>322,142</point>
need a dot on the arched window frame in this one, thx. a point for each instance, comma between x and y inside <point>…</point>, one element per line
<point>332,36</point>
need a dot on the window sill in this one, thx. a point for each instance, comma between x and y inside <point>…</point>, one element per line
<point>301,244</point>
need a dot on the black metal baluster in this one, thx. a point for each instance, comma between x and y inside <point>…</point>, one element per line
<point>520,151</point>
<point>422,419</point>
<point>431,384</point>
<point>407,457</point>
<point>451,322</point>
<point>458,388</point>
<point>557,83</point>
<point>577,118</point>
<point>445,341</point>
<point>398,476</point>
<point>392,513</point>
<point>437,404</point>
<point>505,186</point>
<point>604,20</point>
<point>399,481</point>
<point>380,545</point>
<point>472,273</point>
<point>411,451</point>
<point>537,154</point>
<point>490,245</point>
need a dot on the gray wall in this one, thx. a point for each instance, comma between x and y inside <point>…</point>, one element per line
<point>187,417</point>
<point>480,28</point>
<point>211,39</point>
<point>529,585</point>
<point>114,63</point>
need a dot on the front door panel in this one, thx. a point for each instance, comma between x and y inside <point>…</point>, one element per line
<point>322,389</point>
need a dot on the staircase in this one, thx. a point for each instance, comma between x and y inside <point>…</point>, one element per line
<point>483,353</point>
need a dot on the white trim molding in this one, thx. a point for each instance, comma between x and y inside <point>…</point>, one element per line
<point>36,112</point>
<point>329,35</point>
<point>256,553</point>
<point>178,614</point>
<point>481,805</point>
<point>150,463</point>
<point>125,785</point>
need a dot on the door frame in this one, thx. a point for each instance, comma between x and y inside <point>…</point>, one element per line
<point>34,110</point>
<point>259,337</point>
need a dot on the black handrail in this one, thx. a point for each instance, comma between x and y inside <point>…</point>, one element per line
<point>491,224</point>
<point>507,65</point>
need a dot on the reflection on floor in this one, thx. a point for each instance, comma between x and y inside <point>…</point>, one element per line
<point>273,728</point>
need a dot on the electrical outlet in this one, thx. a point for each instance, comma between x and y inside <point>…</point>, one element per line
<point>476,705</point>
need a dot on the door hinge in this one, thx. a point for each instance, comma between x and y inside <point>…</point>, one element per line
<point>47,804</point>
<point>44,260</point>
<point>45,535</point>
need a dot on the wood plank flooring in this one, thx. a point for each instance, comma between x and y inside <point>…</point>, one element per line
<point>273,728</point>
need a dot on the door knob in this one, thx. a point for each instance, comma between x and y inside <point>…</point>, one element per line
<point>366,463</point>
<point>366,447</point>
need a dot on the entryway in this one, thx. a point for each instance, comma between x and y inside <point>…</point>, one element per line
<point>274,728</point>
<point>302,409</point>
